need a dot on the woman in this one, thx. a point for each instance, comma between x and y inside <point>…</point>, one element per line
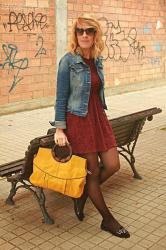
<point>80,118</point>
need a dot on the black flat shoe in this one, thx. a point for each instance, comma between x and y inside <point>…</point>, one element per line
<point>78,211</point>
<point>122,232</point>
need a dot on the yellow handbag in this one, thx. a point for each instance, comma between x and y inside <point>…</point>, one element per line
<point>66,176</point>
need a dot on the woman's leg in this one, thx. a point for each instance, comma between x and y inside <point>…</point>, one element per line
<point>111,163</point>
<point>109,223</point>
<point>93,183</point>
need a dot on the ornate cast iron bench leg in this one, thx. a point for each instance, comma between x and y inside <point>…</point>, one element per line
<point>41,199</point>
<point>13,191</point>
<point>128,155</point>
<point>38,194</point>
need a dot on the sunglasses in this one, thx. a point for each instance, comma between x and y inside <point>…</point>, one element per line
<point>88,31</point>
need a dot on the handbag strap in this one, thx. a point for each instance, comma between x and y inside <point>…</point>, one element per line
<point>62,153</point>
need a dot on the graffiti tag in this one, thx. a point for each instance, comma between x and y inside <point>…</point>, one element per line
<point>12,63</point>
<point>119,45</point>
<point>41,50</point>
<point>26,23</point>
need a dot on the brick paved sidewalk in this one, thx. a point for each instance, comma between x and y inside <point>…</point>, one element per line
<point>138,204</point>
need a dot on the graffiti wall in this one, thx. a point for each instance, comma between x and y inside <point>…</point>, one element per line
<point>134,36</point>
<point>27,51</point>
<point>133,33</point>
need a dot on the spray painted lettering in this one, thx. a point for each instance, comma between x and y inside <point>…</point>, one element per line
<point>119,45</point>
<point>26,23</point>
<point>41,50</point>
<point>12,63</point>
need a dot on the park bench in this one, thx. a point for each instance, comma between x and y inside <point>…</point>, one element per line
<point>126,128</point>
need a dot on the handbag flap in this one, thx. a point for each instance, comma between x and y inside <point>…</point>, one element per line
<point>72,169</point>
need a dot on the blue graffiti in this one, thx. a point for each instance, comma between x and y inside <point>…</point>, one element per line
<point>157,47</point>
<point>147,28</point>
<point>12,63</point>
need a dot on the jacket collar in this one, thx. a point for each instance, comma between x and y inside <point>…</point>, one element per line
<point>78,58</point>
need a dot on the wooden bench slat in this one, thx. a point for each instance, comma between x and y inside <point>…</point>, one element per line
<point>121,143</point>
<point>126,124</point>
<point>135,116</point>
<point>122,129</point>
<point>11,164</point>
<point>14,170</point>
<point>123,140</point>
<point>124,133</point>
<point>11,167</point>
<point>123,137</point>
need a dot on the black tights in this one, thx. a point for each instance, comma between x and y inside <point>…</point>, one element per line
<point>98,175</point>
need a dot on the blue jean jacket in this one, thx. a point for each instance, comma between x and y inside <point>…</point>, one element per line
<point>73,88</point>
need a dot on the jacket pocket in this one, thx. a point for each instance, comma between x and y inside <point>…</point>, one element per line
<point>77,74</point>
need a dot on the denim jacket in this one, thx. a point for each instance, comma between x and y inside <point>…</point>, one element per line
<point>73,88</point>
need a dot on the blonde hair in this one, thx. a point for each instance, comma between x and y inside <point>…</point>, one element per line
<point>98,45</point>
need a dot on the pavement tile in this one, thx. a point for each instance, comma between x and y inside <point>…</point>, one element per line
<point>67,245</point>
<point>57,241</point>
<point>77,240</point>
<point>106,245</point>
<point>47,245</point>
<point>159,233</point>
<point>8,236</point>
<point>126,244</point>
<point>75,231</point>
<point>66,236</point>
<point>46,236</point>
<point>153,238</point>
<point>79,248</point>
<point>27,236</point>
<point>17,241</point>
<point>135,239</point>
<point>36,240</point>
<point>26,246</point>
<point>103,235</point>
<point>2,241</point>
<point>156,247</point>
<point>117,248</point>
<point>145,243</point>
<point>96,240</point>
<point>85,235</point>
<point>160,219</point>
<point>137,247</point>
<point>87,245</point>
<point>7,246</point>
<point>162,242</point>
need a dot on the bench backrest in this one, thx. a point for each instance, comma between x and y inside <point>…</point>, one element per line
<point>128,127</point>
<point>127,132</point>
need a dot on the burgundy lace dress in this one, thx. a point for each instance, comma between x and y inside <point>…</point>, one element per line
<point>92,133</point>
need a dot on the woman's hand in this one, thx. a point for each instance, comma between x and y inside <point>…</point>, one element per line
<point>60,138</point>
